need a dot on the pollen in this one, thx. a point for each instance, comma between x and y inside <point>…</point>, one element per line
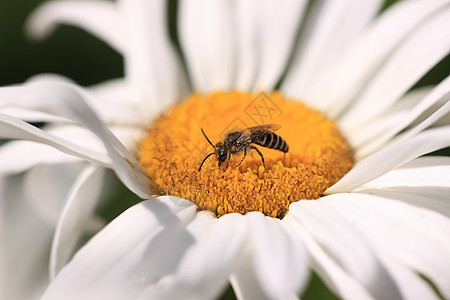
<point>174,148</point>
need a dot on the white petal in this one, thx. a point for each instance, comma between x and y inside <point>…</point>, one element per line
<point>368,51</point>
<point>429,198</point>
<point>265,32</point>
<point>247,56</point>
<point>78,209</point>
<point>417,55</point>
<point>207,41</point>
<point>7,96</point>
<point>333,23</point>
<point>46,187</point>
<point>280,260</point>
<point>114,101</point>
<point>135,250</point>
<point>11,128</point>
<point>78,134</point>
<point>442,119</point>
<point>64,100</point>
<point>117,103</point>
<point>329,271</point>
<point>18,156</point>
<point>130,137</point>
<point>245,283</point>
<point>30,115</point>
<point>151,65</point>
<point>392,157</point>
<point>332,232</point>
<point>411,285</point>
<point>435,116</point>
<point>373,131</point>
<point>423,171</point>
<point>98,17</point>
<point>440,94</point>
<point>423,182</point>
<point>203,273</point>
<point>50,77</point>
<point>278,25</point>
<point>25,238</point>
<point>415,237</point>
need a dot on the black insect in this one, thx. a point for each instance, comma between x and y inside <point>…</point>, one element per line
<point>237,141</point>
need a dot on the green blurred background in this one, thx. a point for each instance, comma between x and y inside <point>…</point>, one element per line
<point>78,55</point>
<point>69,51</point>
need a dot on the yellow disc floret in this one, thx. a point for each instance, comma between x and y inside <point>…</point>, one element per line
<point>318,154</point>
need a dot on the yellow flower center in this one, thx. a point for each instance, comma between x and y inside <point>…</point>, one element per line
<point>318,154</point>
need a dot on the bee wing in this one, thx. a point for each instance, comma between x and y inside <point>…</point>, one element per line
<point>244,137</point>
<point>258,132</point>
<point>264,128</point>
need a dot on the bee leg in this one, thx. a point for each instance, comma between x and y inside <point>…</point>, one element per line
<point>245,153</point>
<point>228,159</point>
<point>260,154</point>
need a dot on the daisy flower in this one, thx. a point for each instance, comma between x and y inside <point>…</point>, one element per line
<point>354,199</point>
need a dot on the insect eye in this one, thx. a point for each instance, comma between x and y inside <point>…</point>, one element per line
<point>222,155</point>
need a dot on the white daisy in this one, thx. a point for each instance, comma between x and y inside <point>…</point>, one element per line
<point>381,231</point>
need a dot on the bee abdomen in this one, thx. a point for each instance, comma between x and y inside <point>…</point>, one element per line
<point>273,141</point>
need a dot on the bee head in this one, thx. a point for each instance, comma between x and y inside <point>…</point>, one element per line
<point>221,152</point>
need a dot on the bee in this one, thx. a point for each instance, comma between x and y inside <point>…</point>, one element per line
<point>239,141</point>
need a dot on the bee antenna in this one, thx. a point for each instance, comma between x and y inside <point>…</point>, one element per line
<point>207,139</point>
<point>205,160</point>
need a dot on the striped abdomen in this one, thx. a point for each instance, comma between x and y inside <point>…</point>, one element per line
<point>272,141</point>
